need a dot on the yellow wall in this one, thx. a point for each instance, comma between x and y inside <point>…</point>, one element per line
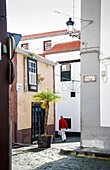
<point>24,96</point>
<point>47,72</point>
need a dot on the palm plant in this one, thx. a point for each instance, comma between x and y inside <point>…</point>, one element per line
<point>46,97</point>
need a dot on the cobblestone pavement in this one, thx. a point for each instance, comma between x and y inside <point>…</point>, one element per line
<point>34,158</point>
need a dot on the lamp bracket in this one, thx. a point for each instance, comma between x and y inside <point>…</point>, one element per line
<point>85,20</point>
<point>77,35</point>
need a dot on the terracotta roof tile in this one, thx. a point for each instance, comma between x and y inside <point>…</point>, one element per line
<point>42,55</point>
<point>45,34</point>
<point>64,47</point>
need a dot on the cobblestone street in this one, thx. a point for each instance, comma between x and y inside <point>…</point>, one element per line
<point>34,158</point>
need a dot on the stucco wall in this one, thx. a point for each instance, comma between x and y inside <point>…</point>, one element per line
<point>24,103</point>
<point>47,72</point>
<point>90,66</point>
<point>105,65</point>
<point>39,42</point>
<point>92,134</point>
<point>68,106</point>
<point>24,96</point>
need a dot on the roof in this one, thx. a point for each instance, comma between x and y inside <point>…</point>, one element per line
<point>45,34</point>
<point>37,57</point>
<point>64,47</point>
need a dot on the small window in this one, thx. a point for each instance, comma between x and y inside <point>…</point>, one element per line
<point>32,75</point>
<point>66,72</point>
<point>73,94</point>
<point>25,46</point>
<point>47,45</point>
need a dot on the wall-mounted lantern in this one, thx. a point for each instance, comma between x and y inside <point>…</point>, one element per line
<point>70,25</point>
<point>70,29</point>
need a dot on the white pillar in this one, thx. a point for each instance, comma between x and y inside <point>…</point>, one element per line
<point>90,73</point>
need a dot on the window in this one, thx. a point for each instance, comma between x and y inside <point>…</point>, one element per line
<point>73,94</point>
<point>25,46</point>
<point>47,45</point>
<point>66,72</point>
<point>32,75</point>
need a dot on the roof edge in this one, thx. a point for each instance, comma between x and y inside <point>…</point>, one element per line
<point>37,57</point>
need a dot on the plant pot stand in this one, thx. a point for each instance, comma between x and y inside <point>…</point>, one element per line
<point>44,141</point>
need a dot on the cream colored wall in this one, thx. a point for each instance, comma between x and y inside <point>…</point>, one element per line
<point>46,71</point>
<point>23,100</point>
<point>24,96</point>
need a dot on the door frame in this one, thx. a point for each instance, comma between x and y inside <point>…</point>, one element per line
<point>39,118</point>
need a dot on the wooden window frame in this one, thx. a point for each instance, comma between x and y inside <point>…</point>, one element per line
<point>25,46</point>
<point>47,45</point>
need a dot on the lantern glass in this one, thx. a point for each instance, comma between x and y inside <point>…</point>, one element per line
<point>70,29</point>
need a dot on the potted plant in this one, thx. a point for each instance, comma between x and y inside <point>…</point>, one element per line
<point>45,97</point>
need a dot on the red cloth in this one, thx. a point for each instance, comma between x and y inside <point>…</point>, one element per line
<point>62,123</point>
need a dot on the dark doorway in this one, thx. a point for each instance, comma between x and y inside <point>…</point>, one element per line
<point>68,120</point>
<point>37,121</point>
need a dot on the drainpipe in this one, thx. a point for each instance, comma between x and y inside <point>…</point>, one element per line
<point>54,91</point>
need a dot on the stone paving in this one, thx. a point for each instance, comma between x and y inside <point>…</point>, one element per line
<point>34,158</point>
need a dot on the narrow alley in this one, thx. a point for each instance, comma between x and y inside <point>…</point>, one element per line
<point>33,158</point>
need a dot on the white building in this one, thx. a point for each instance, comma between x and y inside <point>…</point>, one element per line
<point>59,46</point>
<point>67,82</point>
<point>38,43</point>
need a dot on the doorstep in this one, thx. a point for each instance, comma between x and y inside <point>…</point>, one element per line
<point>93,152</point>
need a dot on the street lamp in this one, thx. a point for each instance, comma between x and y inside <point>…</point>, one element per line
<point>70,24</point>
<point>70,29</point>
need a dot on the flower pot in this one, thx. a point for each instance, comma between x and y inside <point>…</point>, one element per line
<point>44,141</point>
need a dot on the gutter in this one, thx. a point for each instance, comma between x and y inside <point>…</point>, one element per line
<point>37,57</point>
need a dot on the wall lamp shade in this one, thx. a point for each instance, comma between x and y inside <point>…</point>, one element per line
<point>17,37</point>
<point>13,40</point>
<point>70,24</point>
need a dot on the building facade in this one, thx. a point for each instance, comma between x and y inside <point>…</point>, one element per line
<point>59,47</point>
<point>31,74</point>
<point>67,83</point>
<point>38,43</point>
<point>95,117</point>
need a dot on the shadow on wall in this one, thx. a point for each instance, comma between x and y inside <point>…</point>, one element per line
<point>69,134</point>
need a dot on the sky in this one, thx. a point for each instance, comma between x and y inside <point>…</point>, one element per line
<point>36,16</point>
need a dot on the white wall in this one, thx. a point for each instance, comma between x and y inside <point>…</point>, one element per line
<point>91,133</point>
<point>36,45</point>
<point>105,64</point>
<point>68,106</point>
